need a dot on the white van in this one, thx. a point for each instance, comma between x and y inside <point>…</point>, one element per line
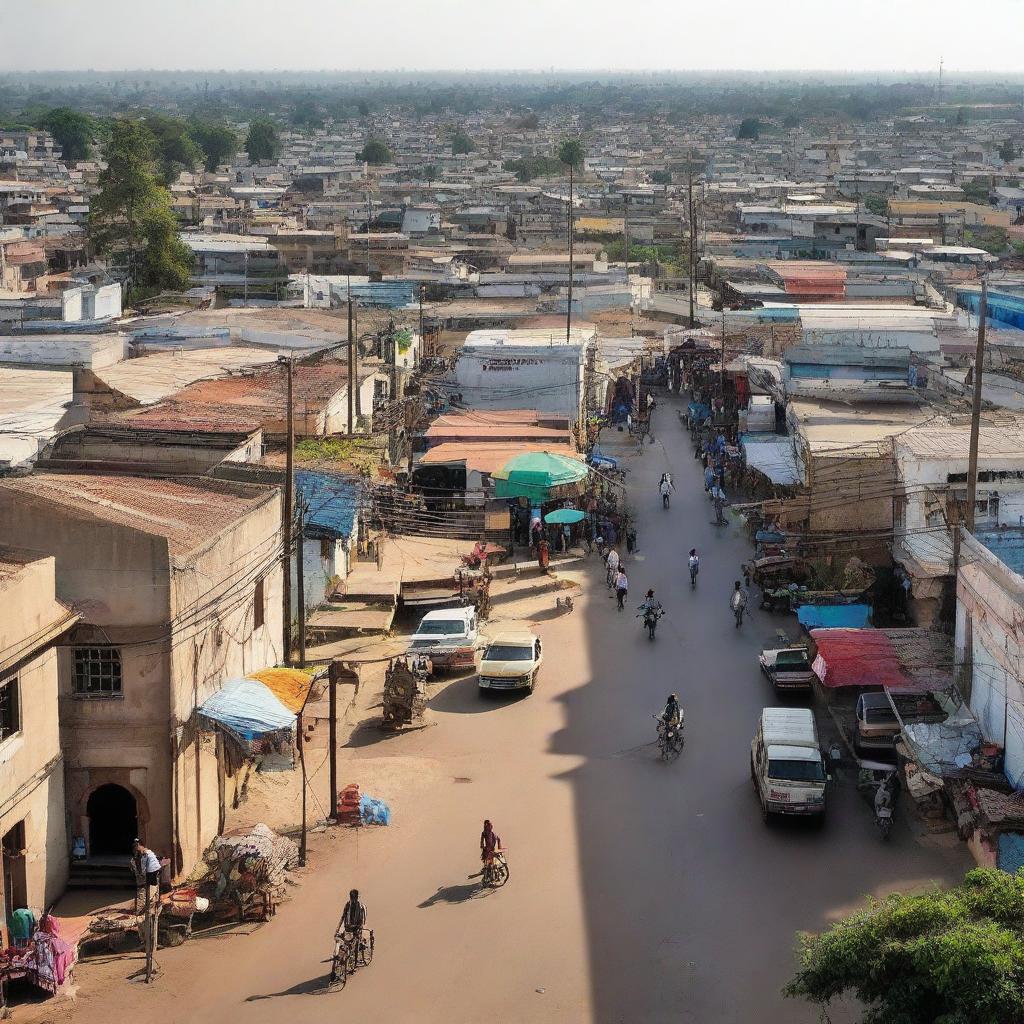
<point>786,765</point>
<point>448,638</point>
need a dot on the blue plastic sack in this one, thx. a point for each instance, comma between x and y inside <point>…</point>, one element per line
<point>374,812</point>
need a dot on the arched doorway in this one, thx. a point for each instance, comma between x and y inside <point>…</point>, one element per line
<point>113,821</point>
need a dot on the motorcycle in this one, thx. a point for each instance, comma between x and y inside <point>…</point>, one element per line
<point>650,621</point>
<point>670,738</point>
<point>885,804</point>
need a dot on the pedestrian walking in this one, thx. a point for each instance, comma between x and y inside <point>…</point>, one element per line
<point>587,531</point>
<point>543,553</point>
<point>621,589</point>
<point>612,562</point>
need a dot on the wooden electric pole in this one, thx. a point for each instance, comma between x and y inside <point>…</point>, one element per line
<point>979,369</point>
<point>289,509</point>
<point>301,743</point>
<point>351,371</point>
<point>300,582</point>
<point>568,308</point>
<point>332,735</point>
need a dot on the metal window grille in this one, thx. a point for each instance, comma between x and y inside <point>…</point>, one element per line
<point>97,671</point>
<point>10,708</point>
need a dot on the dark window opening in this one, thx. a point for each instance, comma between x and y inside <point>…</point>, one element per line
<point>97,671</point>
<point>258,606</point>
<point>10,708</point>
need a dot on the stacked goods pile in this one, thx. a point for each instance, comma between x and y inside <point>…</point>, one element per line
<point>246,870</point>
<point>356,809</point>
<point>349,806</point>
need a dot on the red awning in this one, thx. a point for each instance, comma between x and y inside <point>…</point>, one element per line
<point>859,657</point>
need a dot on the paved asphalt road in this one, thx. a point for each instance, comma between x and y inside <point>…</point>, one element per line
<point>640,892</point>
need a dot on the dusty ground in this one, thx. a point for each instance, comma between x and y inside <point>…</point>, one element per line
<point>640,892</point>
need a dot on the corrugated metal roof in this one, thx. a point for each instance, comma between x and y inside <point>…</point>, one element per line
<point>954,442</point>
<point>488,457</point>
<point>332,503</point>
<point>185,514</point>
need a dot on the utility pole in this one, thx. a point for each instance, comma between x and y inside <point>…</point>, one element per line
<point>351,371</point>
<point>721,376</point>
<point>300,581</point>
<point>289,505</point>
<point>692,240</point>
<point>422,342</point>
<point>332,735</point>
<point>979,369</point>
<point>625,199</point>
<point>568,308</point>
<point>301,743</point>
<point>369,219</point>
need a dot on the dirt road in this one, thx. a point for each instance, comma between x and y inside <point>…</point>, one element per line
<point>640,892</point>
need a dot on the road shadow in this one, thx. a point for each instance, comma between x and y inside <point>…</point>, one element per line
<point>464,697</point>
<point>456,894</point>
<point>302,988</point>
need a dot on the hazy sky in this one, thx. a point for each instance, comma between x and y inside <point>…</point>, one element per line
<point>872,35</point>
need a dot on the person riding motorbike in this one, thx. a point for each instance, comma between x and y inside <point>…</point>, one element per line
<point>694,564</point>
<point>672,713</point>
<point>651,610</point>
<point>738,603</point>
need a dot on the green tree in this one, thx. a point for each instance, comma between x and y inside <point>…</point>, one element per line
<point>72,130</point>
<point>877,205</point>
<point>306,113</point>
<point>462,143</point>
<point>1008,152</point>
<point>661,177</point>
<point>429,173</point>
<point>528,168</point>
<point>570,153</point>
<point>954,956</point>
<point>528,122</point>
<point>177,151</point>
<point>375,152</point>
<point>131,216</point>
<point>217,140</point>
<point>750,128</point>
<point>262,142</point>
<point>364,108</point>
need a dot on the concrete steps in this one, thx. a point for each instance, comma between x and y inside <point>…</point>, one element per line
<point>101,874</point>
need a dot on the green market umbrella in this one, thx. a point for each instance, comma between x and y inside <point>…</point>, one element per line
<point>565,515</point>
<point>536,475</point>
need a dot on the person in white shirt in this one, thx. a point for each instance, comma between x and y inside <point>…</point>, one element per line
<point>621,588</point>
<point>148,862</point>
<point>612,562</point>
<point>694,564</point>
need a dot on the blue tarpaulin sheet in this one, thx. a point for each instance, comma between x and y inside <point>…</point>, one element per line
<point>836,616</point>
<point>1011,852</point>
<point>247,708</point>
<point>603,461</point>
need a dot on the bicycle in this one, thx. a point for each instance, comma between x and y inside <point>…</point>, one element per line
<point>495,873</point>
<point>350,952</point>
<point>670,738</point>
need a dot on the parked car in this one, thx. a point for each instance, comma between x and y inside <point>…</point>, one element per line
<point>511,661</point>
<point>788,668</point>
<point>786,765</point>
<point>877,724</point>
<point>449,638</point>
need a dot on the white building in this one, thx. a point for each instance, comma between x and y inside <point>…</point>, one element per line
<point>990,593</point>
<point>525,369</point>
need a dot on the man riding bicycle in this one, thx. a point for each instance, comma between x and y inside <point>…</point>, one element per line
<point>672,713</point>
<point>353,918</point>
<point>490,842</point>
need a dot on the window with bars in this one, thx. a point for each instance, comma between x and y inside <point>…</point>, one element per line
<point>10,707</point>
<point>97,672</point>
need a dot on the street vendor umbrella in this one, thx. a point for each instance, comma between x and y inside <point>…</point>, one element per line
<point>565,515</point>
<point>537,475</point>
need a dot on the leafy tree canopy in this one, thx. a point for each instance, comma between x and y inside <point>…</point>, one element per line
<point>131,216</point>
<point>73,131</point>
<point>462,143</point>
<point>262,142</point>
<point>530,167</point>
<point>953,956</point>
<point>750,128</point>
<point>570,153</point>
<point>1008,152</point>
<point>217,140</point>
<point>375,152</point>
<point>177,151</point>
